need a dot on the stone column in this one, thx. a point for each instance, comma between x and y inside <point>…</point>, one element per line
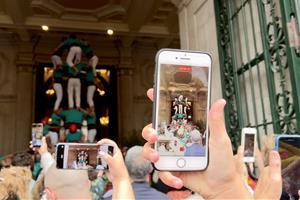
<point>8,96</point>
<point>125,93</point>
<point>25,96</point>
<point>198,31</point>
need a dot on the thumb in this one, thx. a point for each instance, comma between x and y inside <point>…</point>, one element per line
<point>150,94</point>
<point>275,166</point>
<point>240,161</point>
<point>44,140</point>
<point>216,121</point>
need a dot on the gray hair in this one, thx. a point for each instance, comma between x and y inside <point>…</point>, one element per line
<point>138,168</point>
<point>195,135</point>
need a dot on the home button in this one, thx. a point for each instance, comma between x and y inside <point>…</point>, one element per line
<point>181,162</point>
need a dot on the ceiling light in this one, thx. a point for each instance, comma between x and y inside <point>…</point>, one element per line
<point>110,32</point>
<point>45,28</point>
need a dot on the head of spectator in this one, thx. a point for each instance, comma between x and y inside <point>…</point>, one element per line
<point>14,183</point>
<point>67,184</point>
<point>23,159</point>
<point>138,168</point>
<point>195,136</point>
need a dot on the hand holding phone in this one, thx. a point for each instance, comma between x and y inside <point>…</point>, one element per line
<point>36,134</point>
<point>81,156</point>
<point>221,172</point>
<point>181,104</point>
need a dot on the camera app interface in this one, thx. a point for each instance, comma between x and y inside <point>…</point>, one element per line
<point>289,150</point>
<point>249,145</point>
<point>183,101</point>
<point>83,157</point>
<point>37,134</point>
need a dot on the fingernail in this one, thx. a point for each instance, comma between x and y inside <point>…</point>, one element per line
<point>154,156</point>
<point>153,137</point>
<point>224,101</point>
<point>275,156</point>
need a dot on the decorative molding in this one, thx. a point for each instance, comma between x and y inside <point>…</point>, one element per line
<point>6,19</point>
<point>50,6</point>
<point>279,68</point>
<point>25,68</point>
<point>124,71</point>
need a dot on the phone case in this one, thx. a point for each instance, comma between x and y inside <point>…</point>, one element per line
<point>155,91</point>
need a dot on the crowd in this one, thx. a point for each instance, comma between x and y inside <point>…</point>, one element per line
<point>32,174</point>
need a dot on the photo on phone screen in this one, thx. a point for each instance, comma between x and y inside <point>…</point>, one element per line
<point>80,156</point>
<point>182,113</point>
<point>36,134</point>
<point>249,145</point>
<point>289,150</point>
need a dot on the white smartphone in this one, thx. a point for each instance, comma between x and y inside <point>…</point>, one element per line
<point>181,104</point>
<point>36,134</point>
<point>249,143</point>
<point>81,156</point>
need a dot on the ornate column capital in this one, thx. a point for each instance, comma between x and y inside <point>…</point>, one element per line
<point>25,55</point>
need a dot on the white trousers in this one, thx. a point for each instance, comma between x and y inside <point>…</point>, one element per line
<point>56,60</point>
<point>53,136</point>
<point>90,94</point>
<point>74,88</point>
<point>74,56</point>
<point>93,62</point>
<point>91,135</point>
<point>59,95</point>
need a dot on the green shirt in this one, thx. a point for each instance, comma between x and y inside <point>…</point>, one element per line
<point>55,119</point>
<point>72,42</point>
<point>73,137</point>
<point>87,50</point>
<point>45,129</point>
<point>72,116</point>
<point>72,73</point>
<point>91,119</point>
<point>90,76</point>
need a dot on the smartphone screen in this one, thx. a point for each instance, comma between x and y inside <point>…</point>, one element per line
<point>81,156</point>
<point>249,145</point>
<point>289,150</point>
<point>182,110</point>
<point>36,134</point>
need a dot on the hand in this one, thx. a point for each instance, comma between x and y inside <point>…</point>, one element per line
<point>180,194</point>
<point>117,172</point>
<point>220,179</point>
<point>269,185</point>
<point>42,149</point>
<point>116,167</point>
<point>240,164</point>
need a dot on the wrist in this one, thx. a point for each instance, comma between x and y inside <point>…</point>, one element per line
<point>235,189</point>
<point>121,181</point>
